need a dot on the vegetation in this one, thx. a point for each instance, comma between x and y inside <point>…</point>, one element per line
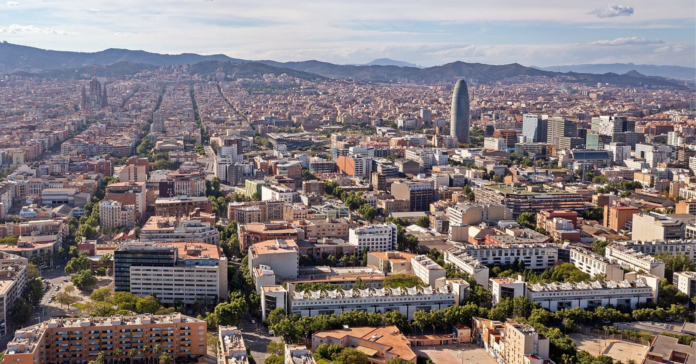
<point>565,272</point>
<point>527,219</point>
<point>599,246</point>
<point>675,263</point>
<point>84,279</point>
<point>402,281</point>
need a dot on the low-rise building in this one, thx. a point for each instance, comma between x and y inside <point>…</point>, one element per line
<point>250,234</point>
<point>427,270</point>
<point>231,348</point>
<point>282,256</point>
<point>686,247</point>
<point>595,264</point>
<point>382,343</point>
<point>635,260</point>
<point>375,237</point>
<point>467,264</point>
<point>393,262</point>
<point>505,287</point>
<point>654,226</point>
<point>298,354</point>
<point>685,282</point>
<point>534,256</point>
<point>666,349</point>
<point>163,229</point>
<point>181,206</point>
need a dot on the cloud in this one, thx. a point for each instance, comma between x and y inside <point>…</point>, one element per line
<point>30,29</point>
<point>12,3</point>
<point>93,10</point>
<point>627,41</point>
<point>119,34</point>
<point>612,11</point>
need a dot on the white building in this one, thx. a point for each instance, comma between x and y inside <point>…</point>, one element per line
<point>534,256</point>
<point>281,256</point>
<point>298,354</point>
<point>590,295</point>
<point>113,214</point>
<point>427,158</point>
<point>407,301</point>
<point>273,297</point>
<point>620,152</point>
<point>635,260</point>
<point>467,264</point>
<point>231,348</point>
<point>504,287</point>
<point>427,270</point>
<point>164,229</point>
<point>275,193</point>
<point>494,143</point>
<point>655,247</point>
<point>376,237</point>
<point>685,282</point>
<point>13,280</point>
<point>595,264</point>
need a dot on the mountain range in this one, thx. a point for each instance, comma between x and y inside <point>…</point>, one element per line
<point>676,72</point>
<point>122,62</point>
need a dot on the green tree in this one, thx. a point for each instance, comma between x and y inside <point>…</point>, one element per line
<point>402,281</point>
<point>21,311</point>
<point>274,359</point>
<point>596,213</point>
<point>33,271</point>
<point>422,319</point>
<point>599,246</point>
<point>34,291</point>
<point>399,320</point>
<point>275,348</point>
<point>423,222</point>
<point>527,219</point>
<point>350,356</point>
<point>231,313</point>
<point>78,264</point>
<point>676,263</point>
<point>84,279</point>
<point>101,295</point>
<point>165,358</point>
<point>367,212</point>
<point>147,304</point>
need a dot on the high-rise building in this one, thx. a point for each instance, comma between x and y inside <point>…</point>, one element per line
<point>534,128</point>
<point>459,122</point>
<point>559,127</point>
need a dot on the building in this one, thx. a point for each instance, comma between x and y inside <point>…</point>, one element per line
<point>183,182</point>
<point>375,237</point>
<point>320,228</point>
<point>231,348</point>
<point>635,260</point>
<point>685,282</point>
<point>310,187</point>
<point>505,287</point>
<point>129,193</point>
<point>530,199</point>
<point>175,272</point>
<point>78,340</point>
<point>616,217</point>
<point>278,193</point>
<point>459,122</point>
<point>559,127</point>
<point>13,279</point>
<point>596,265</point>
<point>686,207</point>
<point>393,262</point>
<point>666,349</point>
<point>282,256</point>
<point>522,344</point>
<point>427,270</point>
<point>473,214</point>
<point>534,256</point>
<point>535,128</point>
<point>655,226</point>
<point>509,136</point>
<point>298,354</point>
<point>250,234</point>
<point>467,264</point>
<point>407,301</point>
<point>135,170</point>
<point>590,295</point>
<point>181,206</point>
<point>419,194</point>
<point>355,166</point>
<point>163,229</point>
<point>656,247</point>
<point>115,215</point>
<point>272,297</point>
<point>380,343</point>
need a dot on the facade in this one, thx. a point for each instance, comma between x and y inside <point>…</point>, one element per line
<point>272,297</point>
<point>427,270</point>
<point>686,283</point>
<point>534,256</point>
<point>522,344</point>
<point>175,272</point>
<point>78,340</point>
<point>253,233</point>
<point>115,215</point>
<point>383,343</point>
<point>407,301</point>
<point>472,214</point>
<point>635,260</point>
<point>654,226</point>
<point>530,199</point>
<point>467,264</point>
<point>459,122</point>
<point>616,217</point>
<point>419,194</point>
<point>278,193</point>
<point>558,128</point>
<point>282,256</point>
<point>135,170</point>
<point>162,229</point>
<point>13,279</point>
<point>595,264</point>
<point>181,206</point>
<point>686,247</point>
<point>376,238</point>
<point>393,262</point>
<point>231,348</point>
<point>534,128</point>
<point>666,349</point>
<point>129,193</point>
<point>355,166</point>
<point>505,287</point>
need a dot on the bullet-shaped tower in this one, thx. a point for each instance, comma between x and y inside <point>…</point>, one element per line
<point>459,122</point>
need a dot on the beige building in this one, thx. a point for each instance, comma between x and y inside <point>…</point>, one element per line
<point>427,270</point>
<point>282,256</point>
<point>380,343</point>
<point>654,226</point>
<point>231,348</point>
<point>393,262</point>
<point>78,340</point>
<point>163,229</point>
<point>115,215</point>
<point>135,170</point>
<point>472,214</point>
<point>523,345</point>
<point>323,228</point>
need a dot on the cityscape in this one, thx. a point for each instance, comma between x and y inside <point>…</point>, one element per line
<point>199,206</point>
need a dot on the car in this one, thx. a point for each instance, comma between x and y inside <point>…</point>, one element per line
<point>66,280</point>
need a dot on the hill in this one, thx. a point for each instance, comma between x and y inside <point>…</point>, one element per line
<point>390,62</point>
<point>676,72</point>
<point>247,70</point>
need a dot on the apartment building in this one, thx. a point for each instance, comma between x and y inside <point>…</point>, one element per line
<point>183,182</point>
<point>78,340</point>
<point>654,226</point>
<point>522,344</point>
<point>281,256</point>
<point>250,234</point>
<point>616,217</point>
<point>419,194</point>
<point>355,166</point>
<point>175,272</point>
<point>164,229</point>
<point>272,297</point>
<point>310,187</point>
<point>129,193</point>
<point>595,264</point>
<point>393,205</point>
<point>529,199</point>
<point>296,211</point>
<point>384,343</point>
<point>231,348</point>
<point>427,270</point>
<point>472,214</point>
<point>505,287</point>
<point>320,228</point>
<point>181,206</point>
<point>685,282</point>
<point>590,295</point>
<point>534,256</point>
<point>635,260</point>
<point>116,215</point>
<point>255,211</point>
<point>393,262</point>
<point>686,247</point>
<point>374,237</point>
<point>13,279</point>
<point>407,301</point>
<point>275,193</point>
<point>135,170</point>
<point>467,264</point>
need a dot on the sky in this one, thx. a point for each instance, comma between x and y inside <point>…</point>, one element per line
<point>427,33</point>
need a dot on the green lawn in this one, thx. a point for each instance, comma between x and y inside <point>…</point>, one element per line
<point>79,306</point>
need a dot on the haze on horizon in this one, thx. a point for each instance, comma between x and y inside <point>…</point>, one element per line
<point>533,32</point>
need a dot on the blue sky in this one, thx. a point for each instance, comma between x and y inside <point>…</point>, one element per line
<point>530,32</point>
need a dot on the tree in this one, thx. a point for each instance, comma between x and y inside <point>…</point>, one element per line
<point>101,295</point>
<point>596,213</point>
<point>101,271</point>
<point>421,319</point>
<point>147,304</point>
<point>21,311</point>
<point>231,313</point>
<point>274,359</point>
<point>106,259</point>
<point>125,300</point>
<point>78,264</point>
<point>34,291</point>
<point>165,358</point>
<point>527,219</point>
<point>84,279</point>
<point>212,343</point>
<point>367,212</point>
<point>423,222</point>
<point>350,356</point>
<point>64,298</point>
<point>275,316</point>
<point>399,320</point>
<point>402,281</point>
<point>599,246</point>
<point>676,263</point>
<point>33,271</point>
<point>276,348</point>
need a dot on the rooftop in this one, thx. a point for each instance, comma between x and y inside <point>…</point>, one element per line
<point>388,336</point>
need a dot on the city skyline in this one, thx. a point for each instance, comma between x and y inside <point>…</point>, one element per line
<point>540,33</point>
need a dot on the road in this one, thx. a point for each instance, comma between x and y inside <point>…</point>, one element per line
<point>209,161</point>
<point>257,338</point>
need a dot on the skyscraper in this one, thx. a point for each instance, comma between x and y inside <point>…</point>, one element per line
<point>459,123</point>
<point>534,127</point>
